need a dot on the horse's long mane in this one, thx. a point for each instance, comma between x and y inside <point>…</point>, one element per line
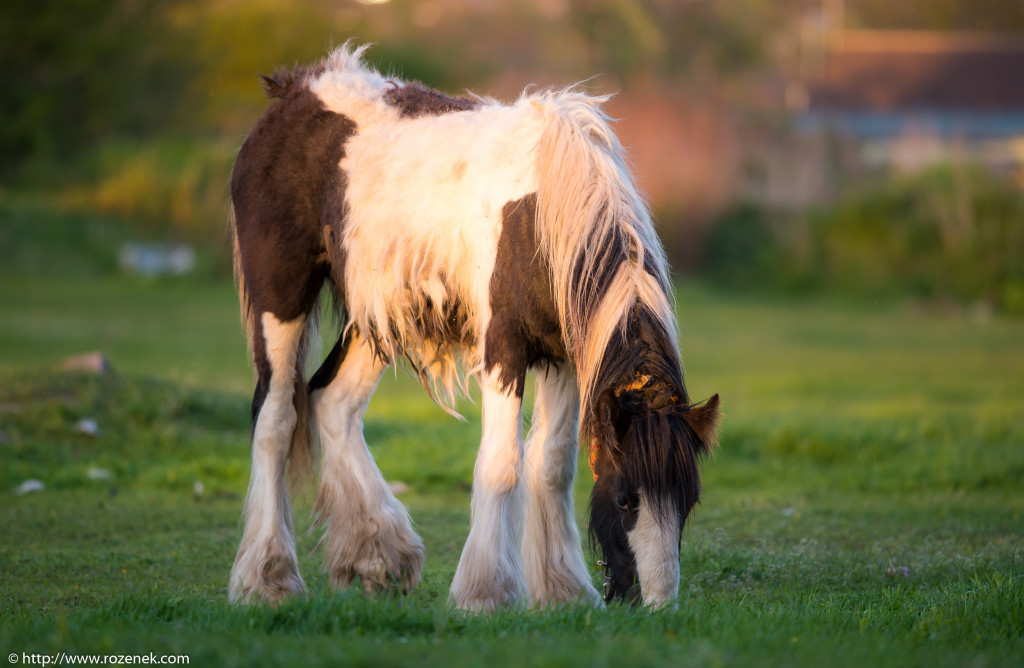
<point>596,232</point>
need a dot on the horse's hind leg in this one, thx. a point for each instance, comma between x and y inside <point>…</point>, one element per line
<point>265,566</point>
<point>367,531</point>
<point>552,554</point>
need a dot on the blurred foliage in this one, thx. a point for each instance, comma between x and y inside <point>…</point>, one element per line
<point>88,71</point>
<point>80,71</point>
<point>170,187</point>
<point>944,232</point>
<point>68,245</point>
<point>674,39</point>
<point>948,232</point>
<point>38,237</point>
<point>742,249</point>
<point>134,109</point>
<point>995,15</point>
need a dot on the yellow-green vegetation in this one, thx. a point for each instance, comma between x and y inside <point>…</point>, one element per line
<point>864,507</point>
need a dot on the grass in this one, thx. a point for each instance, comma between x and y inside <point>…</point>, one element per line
<point>865,506</point>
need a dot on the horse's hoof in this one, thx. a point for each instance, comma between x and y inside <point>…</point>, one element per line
<point>485,604</point>
<point>276,579</point>
<point>390,562</point>
<point>499,593</point>
<point>582,595</point>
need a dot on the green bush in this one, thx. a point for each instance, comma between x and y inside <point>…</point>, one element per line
<point>946,233</point>
<point>82,71</point>
<point>742,249</point>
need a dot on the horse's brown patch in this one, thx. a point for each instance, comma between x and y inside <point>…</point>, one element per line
<point>414,99</point>
<point>288,191</point>
<point>523,332</point>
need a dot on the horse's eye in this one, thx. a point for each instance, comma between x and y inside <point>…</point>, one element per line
<point>621,502</point>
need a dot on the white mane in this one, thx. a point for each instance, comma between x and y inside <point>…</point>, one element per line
<point>588,207</point>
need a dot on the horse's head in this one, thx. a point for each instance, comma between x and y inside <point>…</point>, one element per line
<point>645,440</point>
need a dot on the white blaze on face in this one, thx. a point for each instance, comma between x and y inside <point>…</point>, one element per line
<point>655,544</point>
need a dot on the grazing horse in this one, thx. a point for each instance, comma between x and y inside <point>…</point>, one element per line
<point>470,238</point>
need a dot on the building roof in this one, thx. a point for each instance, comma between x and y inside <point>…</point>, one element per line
<point>903,71</point>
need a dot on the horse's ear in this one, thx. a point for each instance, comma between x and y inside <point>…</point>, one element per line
<point>704,418</point>
<point>279,85</point>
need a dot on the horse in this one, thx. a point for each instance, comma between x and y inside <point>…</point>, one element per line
<point>470,239</point>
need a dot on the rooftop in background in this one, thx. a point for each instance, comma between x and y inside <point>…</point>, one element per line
<point>900,71</point>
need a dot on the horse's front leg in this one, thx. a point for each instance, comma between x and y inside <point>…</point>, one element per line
<point>490,571</point>
<point>555,569</point>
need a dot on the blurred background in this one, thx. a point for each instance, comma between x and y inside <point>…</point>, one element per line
<point>857,147</point>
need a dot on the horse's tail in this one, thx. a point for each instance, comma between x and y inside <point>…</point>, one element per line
<point>302,453</point>
<point>248,310</point>
<point>594,229</point>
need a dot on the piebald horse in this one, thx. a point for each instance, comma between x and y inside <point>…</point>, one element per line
<point>471,238</point>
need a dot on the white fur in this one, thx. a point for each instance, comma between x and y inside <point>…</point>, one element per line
<point>367,531</point>
<point>266,565</point>
<point>552,553</point>
<point>425,199</point>
<point>655,544</point>
<point>490,572</point>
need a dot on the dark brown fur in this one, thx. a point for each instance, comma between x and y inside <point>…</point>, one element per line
<point>414,99</point>
<point>285,82</point>
<point>523,331</point>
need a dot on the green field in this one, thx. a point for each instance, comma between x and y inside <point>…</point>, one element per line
<point>865,506</point>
